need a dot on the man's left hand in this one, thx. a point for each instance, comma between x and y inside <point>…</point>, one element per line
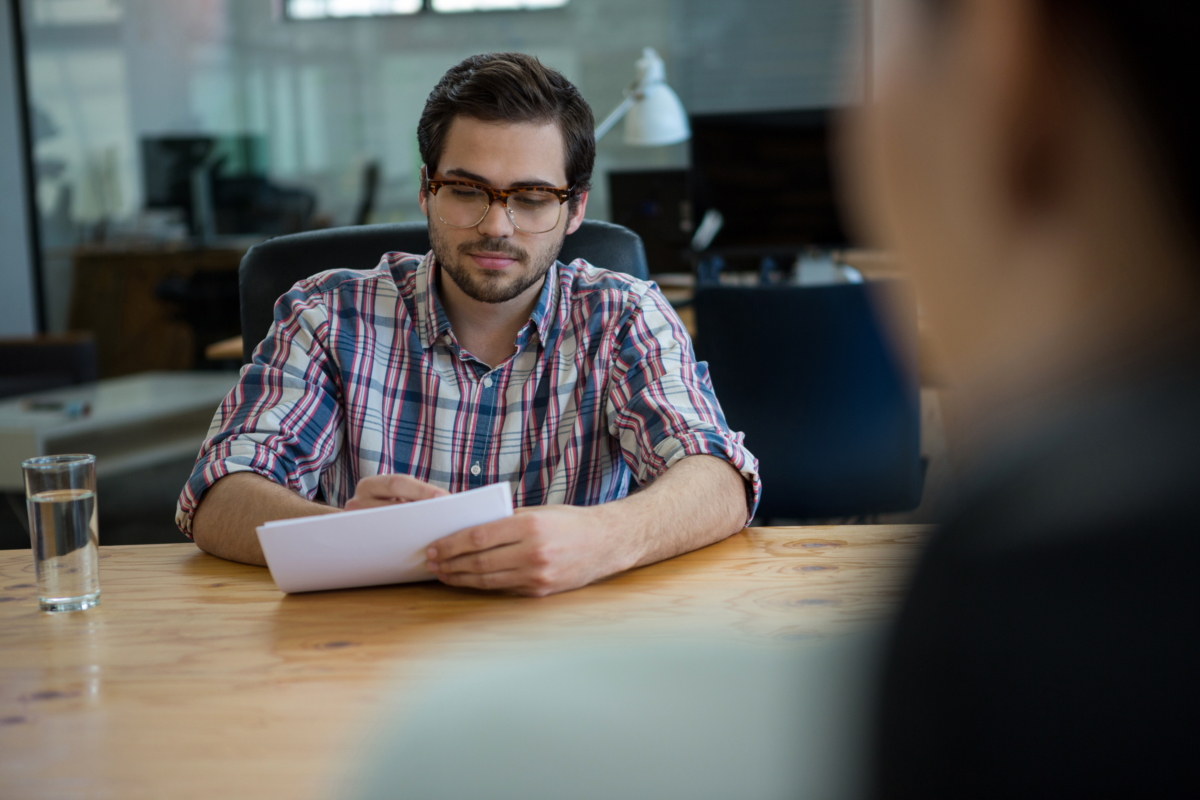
<point>536,551</point>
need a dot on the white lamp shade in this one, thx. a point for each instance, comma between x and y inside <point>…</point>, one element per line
<point>656,118</point>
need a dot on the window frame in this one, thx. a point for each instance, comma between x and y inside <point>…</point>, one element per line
<point>427,7</point>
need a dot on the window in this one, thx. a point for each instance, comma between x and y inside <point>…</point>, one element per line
<point>73,12</point>
<point>326,9</point>
<point>332,9</point>
<point>456,6</point>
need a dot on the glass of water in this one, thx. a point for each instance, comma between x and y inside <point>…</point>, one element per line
<point>61,493</point>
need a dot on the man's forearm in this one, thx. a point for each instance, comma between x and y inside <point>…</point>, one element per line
<point>225,522</point>
<point>698,501</point>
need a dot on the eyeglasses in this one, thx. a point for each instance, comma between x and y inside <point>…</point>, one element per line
<point>464,204</point>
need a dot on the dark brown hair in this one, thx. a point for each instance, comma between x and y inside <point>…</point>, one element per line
<point>511,87</point>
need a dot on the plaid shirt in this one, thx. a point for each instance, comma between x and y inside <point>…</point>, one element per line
<point>361,375</point>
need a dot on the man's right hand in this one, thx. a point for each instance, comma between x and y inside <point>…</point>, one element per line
<point>236,504</point>
<point>386,490</point>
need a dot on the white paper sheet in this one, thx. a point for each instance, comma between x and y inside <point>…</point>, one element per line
<point>376,545</point>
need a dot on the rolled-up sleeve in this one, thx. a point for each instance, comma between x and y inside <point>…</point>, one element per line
<point>282,419</point>
<point>661,404</point>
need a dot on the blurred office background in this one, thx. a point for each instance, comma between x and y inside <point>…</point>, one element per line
<point>310,105</point>
<point>165,138</point>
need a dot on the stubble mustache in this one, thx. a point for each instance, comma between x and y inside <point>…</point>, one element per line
<point>500,246</point>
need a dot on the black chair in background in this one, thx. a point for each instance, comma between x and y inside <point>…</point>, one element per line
<point>270,269</point>
<point>46,362</point>
<point>207,301</point>
<point>254,205</point>
<point>827,396</point>
<point>368,194</point>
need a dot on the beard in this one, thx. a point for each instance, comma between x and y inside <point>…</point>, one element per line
<point>493,286</point>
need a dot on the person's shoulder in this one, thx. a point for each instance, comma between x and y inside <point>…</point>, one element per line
<point>585,282</point>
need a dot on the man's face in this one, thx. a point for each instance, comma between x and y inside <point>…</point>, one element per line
<point>495,262</point>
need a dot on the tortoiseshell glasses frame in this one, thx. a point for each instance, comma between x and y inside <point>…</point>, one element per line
<point>533,219</point>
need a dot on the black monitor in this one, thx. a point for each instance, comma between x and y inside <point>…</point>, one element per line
<point>770,175</point>
<point>655,205</point>
<point>169,163</point>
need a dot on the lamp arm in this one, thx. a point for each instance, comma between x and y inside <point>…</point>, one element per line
<point>612,119</point>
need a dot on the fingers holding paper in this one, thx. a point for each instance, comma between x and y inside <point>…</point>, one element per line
<point>534,552</point>
<point>386,490</point>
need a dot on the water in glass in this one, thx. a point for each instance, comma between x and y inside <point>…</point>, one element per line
<point>66,542</point>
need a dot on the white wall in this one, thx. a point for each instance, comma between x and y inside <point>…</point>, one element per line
<point>17,317</point>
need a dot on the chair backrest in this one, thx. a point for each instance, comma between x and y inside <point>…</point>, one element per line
<point>270,269</point>
<point>828,401</point>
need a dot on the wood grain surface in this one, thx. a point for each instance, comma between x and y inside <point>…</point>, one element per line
<point>196,677</point>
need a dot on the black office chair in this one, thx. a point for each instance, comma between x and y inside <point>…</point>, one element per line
<point>270,269</point>
<point>829,404</point>
<point>42,363</point>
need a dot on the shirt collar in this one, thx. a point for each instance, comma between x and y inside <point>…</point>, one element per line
<point>543,315</point>
<point>432,321</point>
<point>431,317</point>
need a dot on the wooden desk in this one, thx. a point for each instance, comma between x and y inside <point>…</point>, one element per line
<point>195,677</point>
<point>225,350</point>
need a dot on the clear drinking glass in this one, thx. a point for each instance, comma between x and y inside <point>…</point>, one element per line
<point>61,493</point>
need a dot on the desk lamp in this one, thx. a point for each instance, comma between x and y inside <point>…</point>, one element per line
<point>655,115</point>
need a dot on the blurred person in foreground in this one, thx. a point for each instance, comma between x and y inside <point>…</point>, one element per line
<point>485,360</point>
<point>1034,163</point>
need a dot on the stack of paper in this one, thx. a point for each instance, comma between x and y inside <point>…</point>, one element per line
<point>376,545</point>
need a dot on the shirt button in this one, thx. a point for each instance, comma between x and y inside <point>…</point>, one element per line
<point>487,383</point>
<point>475,470</point>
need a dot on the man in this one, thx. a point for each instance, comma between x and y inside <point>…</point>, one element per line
<point>1035,163</point>
<point>484,361</point>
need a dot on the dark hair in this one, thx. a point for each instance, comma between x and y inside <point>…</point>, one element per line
<point>1147,47</point>
<point>511,87</point>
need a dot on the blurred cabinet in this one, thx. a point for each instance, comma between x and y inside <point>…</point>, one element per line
<point>123,297</point>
